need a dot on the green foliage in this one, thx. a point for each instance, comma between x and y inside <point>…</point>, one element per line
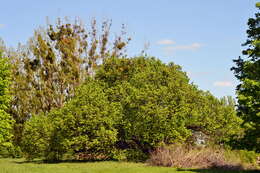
<point>55,61</point>
<point>36,136</point>
<point>152,96</point>
<point>247,70</point>
<point>248,157</point>
<point>130,107</point>
<point>215,117</point>
<point>160,106</point>
<point>85,125</point>
<point>136,155</point>
<point>87,121</point>
<point>5,119</point>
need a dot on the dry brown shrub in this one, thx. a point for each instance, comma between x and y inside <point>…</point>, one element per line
<point>183,157</point>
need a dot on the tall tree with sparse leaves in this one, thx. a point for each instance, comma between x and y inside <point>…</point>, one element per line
<point>56,61</point>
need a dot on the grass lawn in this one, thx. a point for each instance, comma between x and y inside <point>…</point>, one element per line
<point>20,166</point>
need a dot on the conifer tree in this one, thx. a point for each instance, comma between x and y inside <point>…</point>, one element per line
<point>247,71</point>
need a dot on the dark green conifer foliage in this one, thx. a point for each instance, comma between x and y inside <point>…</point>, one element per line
<point>247,71</point>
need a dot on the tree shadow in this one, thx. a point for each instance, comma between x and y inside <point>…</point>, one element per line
<point>28,161</point>
<point>60,161</point>
<point>214,170</point>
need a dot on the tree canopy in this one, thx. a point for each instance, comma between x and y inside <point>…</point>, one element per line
<point>71,93</point>
<point>130,107</point>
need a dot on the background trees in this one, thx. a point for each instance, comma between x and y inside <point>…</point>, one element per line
<point>74,94</point>
<point>130,107</point>
<point>247,71</point>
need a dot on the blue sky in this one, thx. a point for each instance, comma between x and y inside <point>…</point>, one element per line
<point>203,36</point>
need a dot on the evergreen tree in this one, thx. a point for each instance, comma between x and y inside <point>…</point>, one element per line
<point>247,71</point>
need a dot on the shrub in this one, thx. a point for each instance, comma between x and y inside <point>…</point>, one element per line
<point>182,156</point>
<point>87,121</point>
<point>248,157</point>
<point>84,127</point>
<point>36,136</point>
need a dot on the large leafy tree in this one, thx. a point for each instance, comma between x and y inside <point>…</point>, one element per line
<point>152,95</point>
<point>247,71</point>
<point>160,105</point>
<point>5,118</point>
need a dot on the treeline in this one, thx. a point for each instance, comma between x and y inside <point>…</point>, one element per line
<point>130,107</point>
<point>72,92</point>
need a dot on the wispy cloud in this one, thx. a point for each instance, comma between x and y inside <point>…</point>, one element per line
<point>166,42</point>
<point>170,49</point>
<point>1,25</point>
<point>223,84</point>
<point>192,46</point>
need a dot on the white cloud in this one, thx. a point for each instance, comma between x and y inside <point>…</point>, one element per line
<point>170,49</point>
<point>2,25</point>
<point>166,42</point>
<point>192,46</point>
<point>223,84</point>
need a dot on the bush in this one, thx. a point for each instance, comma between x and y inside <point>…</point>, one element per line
<point>182,156</point>
<point>83,127</point>
<point>248,157</point>
<point>36,136</point>
<point>87,121</point>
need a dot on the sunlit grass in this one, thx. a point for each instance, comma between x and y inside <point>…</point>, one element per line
<point>20,166</point>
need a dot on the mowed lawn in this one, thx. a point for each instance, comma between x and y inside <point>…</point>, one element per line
<point>20,166</point>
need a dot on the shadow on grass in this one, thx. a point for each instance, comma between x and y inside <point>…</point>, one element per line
<point>218,170</point>
<point>60,161</point>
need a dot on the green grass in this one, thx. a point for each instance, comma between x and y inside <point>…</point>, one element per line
<point>20,166</point>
